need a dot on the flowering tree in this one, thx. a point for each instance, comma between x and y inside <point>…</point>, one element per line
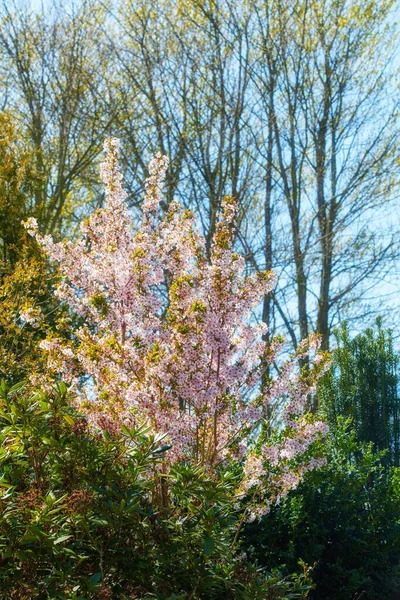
<point>169,339</point>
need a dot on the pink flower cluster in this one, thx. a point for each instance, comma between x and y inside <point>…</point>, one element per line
<point>32,316</point>
<point>169,338</point>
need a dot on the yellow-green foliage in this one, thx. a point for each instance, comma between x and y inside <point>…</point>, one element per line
<point>25,279</point>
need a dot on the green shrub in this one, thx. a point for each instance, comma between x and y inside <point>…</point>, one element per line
<point>363,385</point>
<point>344,519</point>
<point>84,516</point>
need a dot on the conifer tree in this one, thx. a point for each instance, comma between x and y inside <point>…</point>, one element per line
<point>363,384</point>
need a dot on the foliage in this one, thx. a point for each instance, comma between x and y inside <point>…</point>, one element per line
<point>240,95</point>
<point>345,519</point>
<point>18,183</point>
<point>363,384</point>
<point>80,518</point>
<point>24,284</point>
<point>28,308</point>
<point>25,297</point>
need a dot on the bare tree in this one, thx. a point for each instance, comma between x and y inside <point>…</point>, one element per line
<point>191,100</point>
<point>288,106</point>
<point>57,66</point>
<point>335,138</point>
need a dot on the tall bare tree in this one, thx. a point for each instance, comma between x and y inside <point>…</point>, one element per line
<point>289,106</point>
<point>56,67</point>
<point>326,76</point>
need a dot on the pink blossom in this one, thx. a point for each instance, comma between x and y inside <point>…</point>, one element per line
<point>168,337</point>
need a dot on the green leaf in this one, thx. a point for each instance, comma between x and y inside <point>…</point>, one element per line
<point>208,546</point>
<point>50,442</point>
<point>16,387</point>
<point>21,555</point>
<point>62,538</point>
<point>162,449</point>
<point>69,419</point>
<point>62,388</point>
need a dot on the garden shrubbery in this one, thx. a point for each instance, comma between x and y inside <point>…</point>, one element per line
<point>81,519</point>
<point>156,471</point>
<point>344,519</point>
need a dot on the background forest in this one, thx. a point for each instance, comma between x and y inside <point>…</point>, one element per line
<point>292,109</point>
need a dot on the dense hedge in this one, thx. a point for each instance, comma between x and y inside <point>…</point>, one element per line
<point>345,519</point>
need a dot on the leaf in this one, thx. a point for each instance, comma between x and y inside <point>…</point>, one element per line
<point>62,538</point>
<point>21,555</point>
<point>95,578</point>
<point>8,493</point>
<point>16,387</point>
<point>62,388</point>
<point>125,429</point>
<point>162,449</point>
<point>50,442</point>
<point>208,546</point>
<point>69,419</point>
